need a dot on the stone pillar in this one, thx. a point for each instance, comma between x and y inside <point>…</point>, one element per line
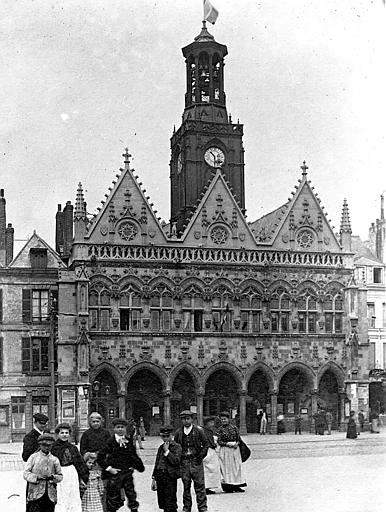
<point>273,429</point>
<point>342,417</point>
<point>200,408</point>
<point>314,409</point>
<point>122,405</point>
<point>243,412</point>
<point>167,419</point>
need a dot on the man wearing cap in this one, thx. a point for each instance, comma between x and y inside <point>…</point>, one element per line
<point>30,441</point>
<point>194,448</point>
<point>42,472</point>
<point>118,459</point>
<point>167,471</point>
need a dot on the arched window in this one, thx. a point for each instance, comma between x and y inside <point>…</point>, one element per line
<point>99,308</point>
<point>250,311</point>
<point>307,312</point>
<point>280,311</point>
<point>130,309</point>
<point>222,309</point>
<point>161,307</point>
<point>192,309</point>
<point>333,313</point>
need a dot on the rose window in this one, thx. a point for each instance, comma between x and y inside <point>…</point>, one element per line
<point>305,238</point>
<point>127,231</point>
<point>219,235</point>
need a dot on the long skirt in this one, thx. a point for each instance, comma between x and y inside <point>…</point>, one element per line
<point>351,431</point>
<point>212,469</point>
<point>68,491</point>
<point>230,465</point>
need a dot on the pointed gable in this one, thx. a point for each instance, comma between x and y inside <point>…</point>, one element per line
<point>36,247</point>
<point>126,216</point>
<point>304,225</point>
<point>218,221</point>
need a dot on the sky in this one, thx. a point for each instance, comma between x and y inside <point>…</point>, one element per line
<point>80,80</point>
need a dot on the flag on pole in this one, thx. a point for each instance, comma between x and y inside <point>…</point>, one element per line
<point>210,12</point>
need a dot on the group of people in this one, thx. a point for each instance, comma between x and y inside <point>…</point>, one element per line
<point>98,476</point>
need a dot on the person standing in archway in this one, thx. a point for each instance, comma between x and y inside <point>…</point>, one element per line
<point>329,422</point>
<point>194,448</point>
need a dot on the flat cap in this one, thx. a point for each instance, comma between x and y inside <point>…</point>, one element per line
<point>166,429</point>
<point>42,418</point>
<point>224,414</point>
<point>46,438</point>
<point>119,421</point>
<point>186,413</point>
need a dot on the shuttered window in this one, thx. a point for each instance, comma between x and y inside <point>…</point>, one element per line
<point>26,306</point>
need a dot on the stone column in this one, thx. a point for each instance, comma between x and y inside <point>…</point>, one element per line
<point>243,412</point>
<point>122,405</point>
<point>200,407</point>
<point>314,409</point>
<point>342,418</point>
<point>273,429</point>
<point>167,418</point>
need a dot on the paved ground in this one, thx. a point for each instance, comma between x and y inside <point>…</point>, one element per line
<point>289,473</point>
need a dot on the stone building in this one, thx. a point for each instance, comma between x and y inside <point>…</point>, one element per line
<point>209,312</point>
<point>370,273</point>
<point>28,290</point>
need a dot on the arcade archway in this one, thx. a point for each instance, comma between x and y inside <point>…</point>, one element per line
<point>221,394</point>
<point>183,396</point>
<point>328,398</point>
<point>104,397</point>
<point>294,397</point>
<point>145,398</point>
<point>257,400</point>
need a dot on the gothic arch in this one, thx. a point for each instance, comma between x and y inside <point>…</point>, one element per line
<point>336,370</point>
<point>280,283</point>
<point>251,283</point>
<point>100,279</point>
<point>146,365</point>
<point>297,365</point>
<point>166,281</point>
<point>192,281</point>
<point>190,369</point>
<point>130,280</point>
<point>334,287</point>
<point>265,369</point>
<point>308,284</point>
<point>116,374</point>
<point>222,281</point>
<point>223,365</point>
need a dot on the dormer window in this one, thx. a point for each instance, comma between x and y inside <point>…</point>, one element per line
<point>377,275</point>
<point>38,257</point>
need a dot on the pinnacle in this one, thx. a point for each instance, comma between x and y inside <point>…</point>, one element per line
<point>345,224</point>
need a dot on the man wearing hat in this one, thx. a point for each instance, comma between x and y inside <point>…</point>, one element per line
<point>194,448</point>
<point>30,441</point>
<point>167,471</point>
<point>42,472</point>
<point>118,459</point>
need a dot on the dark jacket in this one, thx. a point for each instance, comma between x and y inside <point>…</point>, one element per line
<point>68,454</point>
<point>30,444</point>
<point>93,440</point>
<point>123,458</point>
<point>200,442</point>
<point>172,460</point>
<point>210,437</point>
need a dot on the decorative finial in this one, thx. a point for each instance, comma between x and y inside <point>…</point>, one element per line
<point>304,168</point>
<point>126,158</point>
<point>345,224</point>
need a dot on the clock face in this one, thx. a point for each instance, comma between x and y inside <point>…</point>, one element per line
<point>215,157</point>
<point>179,162</point>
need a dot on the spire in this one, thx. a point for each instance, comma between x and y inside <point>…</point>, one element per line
<point>382,207</point>
<point>345,224</point>
<point>126,158</point>
<point>304,168</point>
<point>80,205</point>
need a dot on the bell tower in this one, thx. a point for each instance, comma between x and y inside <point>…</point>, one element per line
<point>207,139</point>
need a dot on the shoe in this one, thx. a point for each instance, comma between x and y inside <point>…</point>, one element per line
<point>209,491</point>
<point>238,489</point>
<point>141,448</point>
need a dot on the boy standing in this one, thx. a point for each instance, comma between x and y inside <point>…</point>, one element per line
<point>42,472</point>
<point>118,460</point>
<point>167,471</point>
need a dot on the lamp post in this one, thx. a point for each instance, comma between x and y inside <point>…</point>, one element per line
<point>53,319</point>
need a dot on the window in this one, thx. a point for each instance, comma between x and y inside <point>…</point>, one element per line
<point>18,412</point>
<point>35,305</point>
<point>377,275</point>
<point>40,405</point>
<point>34,355</point>
<point>161,306</point>
<point>372,356</point>
<point>250,311</point>
<point>333,314</point>
<point>221,310</point>
<point>371,314</point>
<point>130,310</point>
<point>38,257</point>
<point>99,308</point>
<point>192,306</point>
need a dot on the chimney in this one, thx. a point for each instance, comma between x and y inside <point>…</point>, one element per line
<point>9,237</point>
<point>3,224</point>
<point>59,231</point>
<point>68,231</point>
<point>382,208</point>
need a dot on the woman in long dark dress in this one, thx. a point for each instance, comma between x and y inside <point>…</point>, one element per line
<point>351,427</point>
<point>230,459</point>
